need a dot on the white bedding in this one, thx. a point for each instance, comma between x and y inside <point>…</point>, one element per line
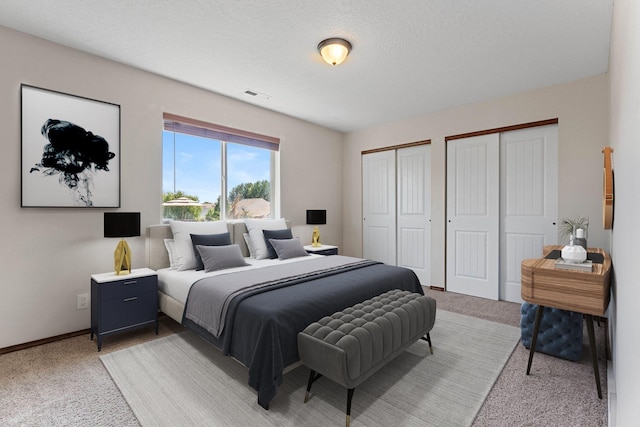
<point>177,284</point>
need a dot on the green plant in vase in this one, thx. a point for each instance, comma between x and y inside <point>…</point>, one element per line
<point>568,227</point>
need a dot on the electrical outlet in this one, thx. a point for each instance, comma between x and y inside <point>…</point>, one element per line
<point>82,301</point>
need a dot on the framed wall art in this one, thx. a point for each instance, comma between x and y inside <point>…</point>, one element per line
<point>70,150</point>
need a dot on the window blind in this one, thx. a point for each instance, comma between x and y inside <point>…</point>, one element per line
<point>185,125</point>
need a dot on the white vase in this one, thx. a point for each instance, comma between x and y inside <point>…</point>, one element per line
<point>574,254</point>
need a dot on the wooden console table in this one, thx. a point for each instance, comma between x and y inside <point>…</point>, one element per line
<point>579,291</point>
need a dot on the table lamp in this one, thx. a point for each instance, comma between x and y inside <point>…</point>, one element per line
<point>316,217</point>
<point>122,224</point>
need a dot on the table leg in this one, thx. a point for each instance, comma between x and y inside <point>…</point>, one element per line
<point>534,338</point>
<point>594,356</point>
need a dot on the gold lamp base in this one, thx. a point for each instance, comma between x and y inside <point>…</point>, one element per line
<point>315,237</point>
<point>122,258</point>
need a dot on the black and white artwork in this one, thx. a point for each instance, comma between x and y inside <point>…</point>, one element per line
<point>70,150</point>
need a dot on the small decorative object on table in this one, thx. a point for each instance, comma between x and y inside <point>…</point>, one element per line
<point>574,254</point>
<point>575,229</point>
<point>586,266</point>
<point>580,238</point>
<point>315,237</point>
<point>574,257</point>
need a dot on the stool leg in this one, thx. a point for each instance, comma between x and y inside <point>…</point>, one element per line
<point>349,397</point>
<point>534,338</point>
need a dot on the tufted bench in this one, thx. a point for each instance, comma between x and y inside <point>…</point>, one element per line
<point>351,345</point>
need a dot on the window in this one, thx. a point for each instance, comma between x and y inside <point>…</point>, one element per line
<point>204,164</point>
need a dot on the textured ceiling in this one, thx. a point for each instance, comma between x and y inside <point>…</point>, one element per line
<point>409,57</point>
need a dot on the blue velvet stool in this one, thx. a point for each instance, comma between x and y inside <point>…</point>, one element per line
<point>560,331</point>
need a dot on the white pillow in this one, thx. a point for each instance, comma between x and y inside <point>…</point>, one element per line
<point>255,227</point>
<point>247,240</point>
<point>171,250</point>
<point>186,257</point>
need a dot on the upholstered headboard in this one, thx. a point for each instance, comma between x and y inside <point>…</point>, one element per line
<point>157,256</point>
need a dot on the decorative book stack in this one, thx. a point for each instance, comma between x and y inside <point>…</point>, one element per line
<point>586,266</point>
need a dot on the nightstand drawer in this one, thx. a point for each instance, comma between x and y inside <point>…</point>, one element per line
<point>127,288</point>
<point>322,249</point>
<point>332,251</point>
<point>128,311</point>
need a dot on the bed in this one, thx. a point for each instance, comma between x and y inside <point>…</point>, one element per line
<point>260,325</point>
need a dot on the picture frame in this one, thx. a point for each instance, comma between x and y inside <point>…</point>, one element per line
<point>70,153</point>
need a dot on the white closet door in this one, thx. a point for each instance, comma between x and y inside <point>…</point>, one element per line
<point>529,201</point>
<point>473,216</point>
<point>379,206</point>
<point>414,210</point>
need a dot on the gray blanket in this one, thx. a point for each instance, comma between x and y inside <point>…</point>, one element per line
<point>209,298</point>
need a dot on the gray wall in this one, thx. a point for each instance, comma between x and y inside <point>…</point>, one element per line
<point>48,255</point>
<point>624,70</point>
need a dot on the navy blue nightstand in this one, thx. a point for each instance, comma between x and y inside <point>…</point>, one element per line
<point>125,302</point>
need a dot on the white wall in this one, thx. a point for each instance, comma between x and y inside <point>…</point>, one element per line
<point>582,109</point>
<point>624,69</point>
<point>48,255</point>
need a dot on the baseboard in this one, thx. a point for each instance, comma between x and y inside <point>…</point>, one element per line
<point>611,394</point>
<point>35,343</point>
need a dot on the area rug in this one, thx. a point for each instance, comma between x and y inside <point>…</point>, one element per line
<point>183,380</point>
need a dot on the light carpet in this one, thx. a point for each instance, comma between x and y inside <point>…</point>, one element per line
<point>183,380</point>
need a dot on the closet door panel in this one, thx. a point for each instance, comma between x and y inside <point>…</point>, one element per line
<point>529,200</point>
<point>414,209</point>
<point>379,207</point>
<point>473,216</point>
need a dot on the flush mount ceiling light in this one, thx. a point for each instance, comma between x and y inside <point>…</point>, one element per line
<point>334,50</point>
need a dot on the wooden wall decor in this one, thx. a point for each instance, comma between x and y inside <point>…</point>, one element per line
<point>607,190</point>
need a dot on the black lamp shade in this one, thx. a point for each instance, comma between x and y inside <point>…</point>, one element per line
<point>121,224</point>
<point>316,217</point>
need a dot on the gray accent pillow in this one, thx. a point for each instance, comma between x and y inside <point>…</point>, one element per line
<point>275,234</point>
<point>221,239</point>
<point>221,257</point>
<point>288,248</point>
